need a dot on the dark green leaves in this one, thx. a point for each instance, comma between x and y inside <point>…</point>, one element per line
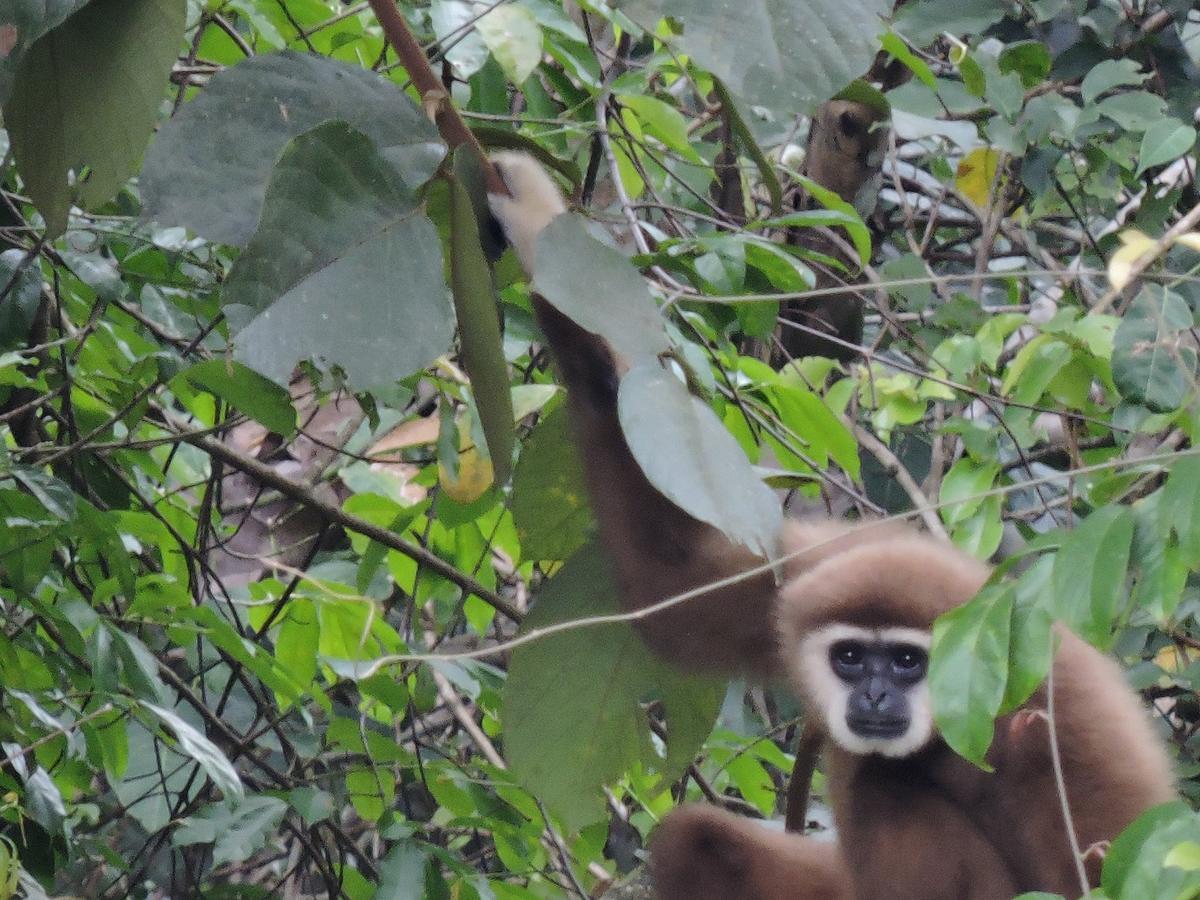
<point>86,97</point>
<point>344,267</point>
<point>208,168</point>
<point>803,54</point>
<point>572,715</point>
<point>22,23</point>
<point>1154,354</point>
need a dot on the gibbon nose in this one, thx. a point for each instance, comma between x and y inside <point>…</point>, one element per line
<point>876,692</point>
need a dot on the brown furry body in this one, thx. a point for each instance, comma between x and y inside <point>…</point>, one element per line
<point>925,827</point>
<point>932,825</point>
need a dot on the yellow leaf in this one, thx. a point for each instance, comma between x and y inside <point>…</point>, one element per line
<point>475,473</point>
<point>977,174</point>
<point>1171,659</point>
<point>1190,239</point>
<point>1120,264</point>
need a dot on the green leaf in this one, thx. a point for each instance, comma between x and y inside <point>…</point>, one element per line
<point>371,791</point>
<point>236,834</point>
<point>1135,865</point>
<point>1109,74</point>
<point>1179,504</point>
<point>693,460</point>
<point>246,391</point>
<point>20,297</point>
<point>1090,573</point>
<point>1031,648</point>
<point>402,873</point>
<point>663,121</point>
<point>968,671</point>
<point>1164,141</point>
<point>549,496</point>
<point>802,53</point>
<point>339,223</point>
<point>209,166</point>
<point>922,22</point>
<point>614,301</point>
<point>962,486</point>
<point>22,23</point>
<point>56,498</point>
<point>570,729</point>
<point>87,94</point>
<point>479,320</point>
<point>806,414</point>
<point>296,644</point>
<point>313,804</point>
<point>515,39</point>
<point>1029,59</point>
<point>206,754</point>
<point>1152,362</point>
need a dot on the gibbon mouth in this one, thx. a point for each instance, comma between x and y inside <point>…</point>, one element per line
<point>879,728</point>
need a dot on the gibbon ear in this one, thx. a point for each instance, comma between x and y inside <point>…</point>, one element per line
<point>534,202</point>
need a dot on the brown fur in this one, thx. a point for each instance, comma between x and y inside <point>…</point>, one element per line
<point>932,826</point>
<point>846,143</point>
<point>926,827</point>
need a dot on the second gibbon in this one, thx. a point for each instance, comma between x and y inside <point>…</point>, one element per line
<point>850,629</point>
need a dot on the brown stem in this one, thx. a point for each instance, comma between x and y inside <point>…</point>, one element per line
<point>808,748</point>
<point>453,129</point>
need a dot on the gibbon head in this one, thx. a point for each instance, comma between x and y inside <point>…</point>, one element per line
<point>869,686</point>
<point>855,631</point>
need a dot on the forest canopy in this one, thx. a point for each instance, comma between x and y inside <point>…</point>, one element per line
<point>299,582</point>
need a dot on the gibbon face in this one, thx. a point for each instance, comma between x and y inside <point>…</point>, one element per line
<point>869,685</point>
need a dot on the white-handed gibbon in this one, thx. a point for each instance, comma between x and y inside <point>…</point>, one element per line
<point>914,820</point>
<point>850,628</point>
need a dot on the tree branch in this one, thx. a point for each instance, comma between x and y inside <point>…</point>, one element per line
<point>305,495</point>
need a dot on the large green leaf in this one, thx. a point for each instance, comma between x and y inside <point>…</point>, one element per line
<point>549,498</point>
<point>693,460</point>
<point>23,22</point>
<point>234,833</point>
<point>206,754</point>
<point>246,391</point>
<point>927,20</point>
<point>777,54</point>
<point>208,167</point>
<point>1154,358</point>
<point>968,670</point>
<point>573,720</point>
<point>1146,859</point>
<point>20,296</point>
<point>344,268</point>
<point>1090,573</point>
<point>597,287</point>
<point>87,94</point>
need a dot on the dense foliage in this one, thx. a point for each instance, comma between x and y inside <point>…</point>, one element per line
<point>272,494</point>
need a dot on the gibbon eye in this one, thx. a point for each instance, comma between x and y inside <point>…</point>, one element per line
<point>909,660</point>
<point>847,655</point>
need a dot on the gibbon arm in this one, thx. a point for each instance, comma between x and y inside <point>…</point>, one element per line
<point>704,853</point>
<point>657,549</point>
